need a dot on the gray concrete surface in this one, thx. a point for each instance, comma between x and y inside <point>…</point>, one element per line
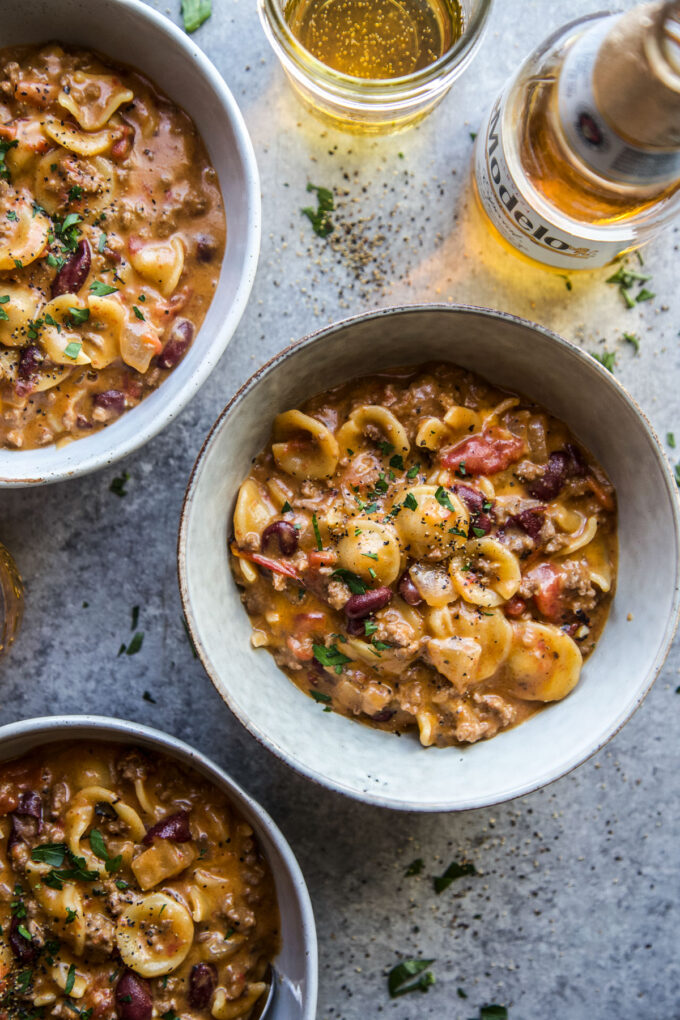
<point>574,911</point>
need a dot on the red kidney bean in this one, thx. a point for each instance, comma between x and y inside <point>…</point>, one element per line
<point>356,628</point>
<point>551,482</point>
<point>30,360</point>
<point>408,590</point>
<point>384,715</point>
<point>110,400</point>
<point>25,950</point>
<point>205,248</point>
<point>202,982</point>
<point>133,998</point>
<point>481,522</point>
<point>283,533</point>
<point>474,499</point>
<point>359,606</point>
<point>577,463</point>
<point>174,827</point>
<point>26,820</point>
<point>179,342</point>
<point>73,273</point>
<point>530,521</point>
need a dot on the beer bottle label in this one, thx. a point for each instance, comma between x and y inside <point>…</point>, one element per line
<point>589,135</point>
<point>526,220</point>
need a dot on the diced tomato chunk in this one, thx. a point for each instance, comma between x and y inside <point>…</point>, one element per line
<point>485,454</point>
<point>321,558</point>
<point>548,597</point>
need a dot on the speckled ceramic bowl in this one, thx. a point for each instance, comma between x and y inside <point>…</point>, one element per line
<point>134,33</point>
<point>296,964</point>
<point>370,764</point>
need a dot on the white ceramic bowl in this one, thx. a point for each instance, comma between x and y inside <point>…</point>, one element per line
<point>296,963</point>
<point>370,764</point>
<point>133,33</point>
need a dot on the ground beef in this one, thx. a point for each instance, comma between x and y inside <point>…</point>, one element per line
<point>337,594</point>
<point>132,765</point>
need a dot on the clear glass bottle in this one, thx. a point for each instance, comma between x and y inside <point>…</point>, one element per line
<point>579,160</point>
<point>11,600</point>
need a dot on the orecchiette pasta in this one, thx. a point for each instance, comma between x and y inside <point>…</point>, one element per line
<point>486,573</point>
<point>371,550</point>
<point>93,98</point>
<point>154,935</point>
<point>447,572</point>
<point>303,447</point>
<point>160,263</point>
<point>83,143</point>
<point>23,233</point>
<point>431,528</point>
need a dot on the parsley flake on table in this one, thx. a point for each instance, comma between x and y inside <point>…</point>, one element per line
<point>415,867</point>
<point>454,871</point>
<point>118,484</point>
<point>670,439</point>
<point>194,13</point>
<point>633,340</point>
<point>319,217</point>
<point>493,1012</point>
<point>399,980</point>
<point>607,359</point>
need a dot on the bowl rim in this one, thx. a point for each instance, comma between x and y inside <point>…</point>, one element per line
<point>55,728</point>
<point>248,258</point>
<point>548,776</point>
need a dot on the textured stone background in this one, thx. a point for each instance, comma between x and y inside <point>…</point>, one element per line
<point>574,912</point>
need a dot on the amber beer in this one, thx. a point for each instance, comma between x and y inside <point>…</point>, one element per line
<point>579,160</point>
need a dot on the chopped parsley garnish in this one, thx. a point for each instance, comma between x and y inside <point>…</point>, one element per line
<point>632,339</point>
<point>228,933</point>
<point>397,462</point>
<point>443,498</point>
<point>411,503</point>
<point>399,981</point>
<point>644,295</point>
<point>320,696</point>
<point>4,149</point>
<point>352,580</point>
<point>70,979</point>
<point>101,289</point>
<point>101,243</point>
<point>99,850</point>
<point>415,867</point>
<point>49,853</point>
<point>331,657</point>
<point>24,980</point>
<point>73,349</point>
<point>78,315</point>
<point>194,13</point>
<point>319,217</point>
<point>4,298</point>
<point>371,556</point>
<point>138,312</point>
<point>12,216</point>
<point>121,884</point>
<point>67,231</point>
<point>370,627</point>
<point>460,470</point>
<point>118,484</point>
<point>454,871</point>
<point>385,447</point>
<point>317,533</point>
<point>57,855</point>
<point>286,508</point>
<point>458,531</point>
<point>477,532</point>
<point>608,359</point>
<point>413,471</point>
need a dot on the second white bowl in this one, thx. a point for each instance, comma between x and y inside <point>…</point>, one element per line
<point>133,33</point>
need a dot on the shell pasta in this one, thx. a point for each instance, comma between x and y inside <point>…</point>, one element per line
<point>109,898</point>
<point>423,551</point>
<point>111,238</point>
